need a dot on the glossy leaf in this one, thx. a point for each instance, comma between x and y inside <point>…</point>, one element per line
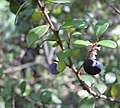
<point>64,2</point>
<point>82,43</point>
<point>61,66</point>
<point>23,86</point>
<point>87,102</point>
<point>100,28</point>
<point>36,33</point>
<point>64,54</point>
<point>73,24</point>
<point>107,43</point>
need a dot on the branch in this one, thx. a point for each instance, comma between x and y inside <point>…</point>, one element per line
<point>13,100</point>
<point>113,7</point>
<point>17,68</point>
<point>50,23</point>
<point>90,91</point>
<point>75,70</point>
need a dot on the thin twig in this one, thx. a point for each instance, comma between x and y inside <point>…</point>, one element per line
<point>13,100</point>
<point>113,7</point>
<point>47,53</point>
<point>56,32</point>
<point>17,68</point>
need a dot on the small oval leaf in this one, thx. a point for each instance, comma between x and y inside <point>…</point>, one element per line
<point>62,55</point>
<point>100,28</point>
<point>76,34</point>
<point>64,2</point>
<point>61,66</point>
<point>73,24</point>
<point>36,33</point>
<point>87,102</point>
<point>23,86</point>
<point>82,43</point>
<point>107,43</point>
<point>46,97</point>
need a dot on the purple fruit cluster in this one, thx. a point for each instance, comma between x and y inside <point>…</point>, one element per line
<point>53,69</point>
<point>92,66</point>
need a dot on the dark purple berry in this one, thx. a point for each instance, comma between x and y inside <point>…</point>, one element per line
<point>53,69</point>
<point>92,66</point>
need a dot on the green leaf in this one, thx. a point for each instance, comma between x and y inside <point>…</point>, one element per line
<point>115,90</point>
<point>23,86</point>
<point>18,11</point>
<point>88,79</point>
<point>73,24</point>
<point>36,16</point>
<point>101,87</point>
<point>64,2</point>
<point>107,43</point>
<point>14,6</point>
<point>51,37</point>
<point>61,66</point>
<point>2,103</point>
<point>87,102</point>
<point>46,97</point>
<point>100,28</point>
<point>76,33</point>
<point>82,43</point>
<point>35,96</point>
<point>56,43</point>
<point>64,54</point>
<point>36,33</point>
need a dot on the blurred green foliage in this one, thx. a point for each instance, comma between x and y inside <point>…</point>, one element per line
<point>38,88</point>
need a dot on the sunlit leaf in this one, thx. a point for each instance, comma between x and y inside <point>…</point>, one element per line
<point>36,33</point>
<point>76,34</point>
<point>107,43</point>
<point>110,78</point>
<point>100,28</point>
<point>36,16</point>
<point>2,103</point>
<point>56,99</point>
<point>115,91</point>
<point>82,43</point>
<point>61,66</point>
<point>64,2</point>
